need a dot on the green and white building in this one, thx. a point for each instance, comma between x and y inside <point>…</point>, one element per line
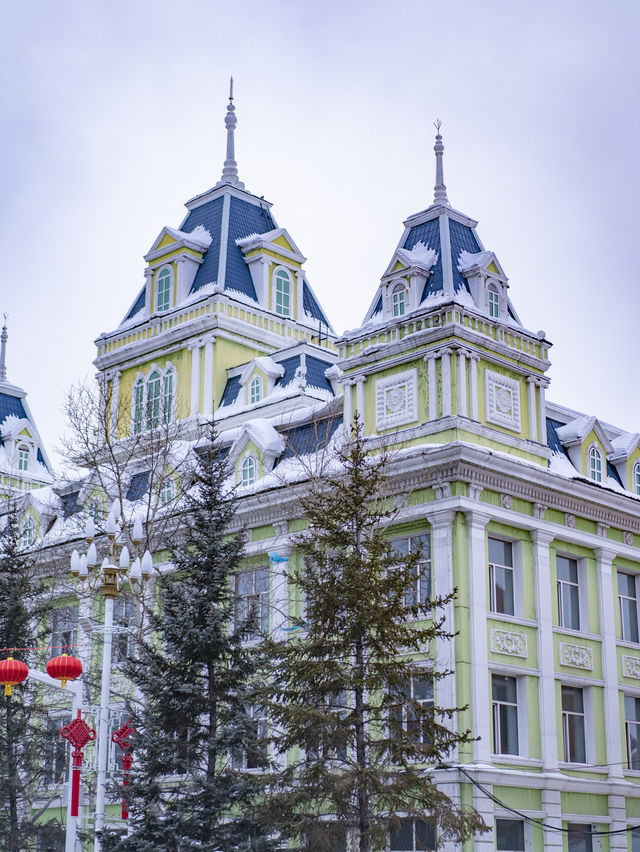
<point>531,510</point>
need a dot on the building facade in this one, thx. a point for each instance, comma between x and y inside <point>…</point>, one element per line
<point>530,510</point>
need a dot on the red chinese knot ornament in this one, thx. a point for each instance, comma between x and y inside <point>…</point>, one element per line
<point>79,734</point>
<point>121,738</point>
<point>12,672</point>
<point>64,668</point>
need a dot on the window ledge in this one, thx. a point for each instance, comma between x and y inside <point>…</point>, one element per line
<point>516,759</point>
<point>578,634</point>
<point>512,619</point>
<point>625,643</point>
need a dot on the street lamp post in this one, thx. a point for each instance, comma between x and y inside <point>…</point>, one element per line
<point>110,579</point>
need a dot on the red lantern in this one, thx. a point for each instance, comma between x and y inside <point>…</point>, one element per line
<point>12,672</point>
<point>64,668</point>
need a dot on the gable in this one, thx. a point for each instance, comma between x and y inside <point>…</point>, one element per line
<point>167,240</point>
<point>283,242</point>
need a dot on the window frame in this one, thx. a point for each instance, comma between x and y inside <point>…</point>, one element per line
<point>282,296</point>
<point>573,826</point>
<point>257,597</point>
<point>27,532</point>
<point>493,301</point>
<point>249,463</point>
<point>525,833</point>
<point>148,413</point>
<point>164,280</point>
<point>567,715</point>
<point>634,622</point>
<point>399,300</point>
<point>516,577</point>
<point>497,716</point>
<point>582,600</point>
<point>24,457</point>
<point>628,723</point>
<point>430,841</point>
<point>64,620</point>
<point>256,390</point>
<point>254,760</point>
<point>596,469</point>
<point>424,576</point>
<point>124,617</point>
<point>400,713</point>
<point>635,477</point>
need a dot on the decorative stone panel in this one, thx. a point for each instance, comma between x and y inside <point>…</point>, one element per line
<point>502,400</point>
<point>628,538</point>
<point>631,666</point>
<point>507,642</point>
<point>396,400</point>
<point>576,656</point>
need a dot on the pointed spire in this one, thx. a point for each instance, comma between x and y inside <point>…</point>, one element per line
<point>440,194</point>
<point>230,170</point>
<point>3,351</point>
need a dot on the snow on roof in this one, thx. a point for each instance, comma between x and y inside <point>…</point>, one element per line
<point>576,429</point>
<point>201,235</point>
<point>420,255</point>
<point>624,444</point>
<point>468,260</point>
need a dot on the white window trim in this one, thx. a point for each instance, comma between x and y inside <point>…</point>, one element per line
<point>274,293</point>
<point>164,372</point>
<point>241,468</point>
<point>156,289</point>
<point>603,463</point>
<point>635,478</point>
<point>255,381</point>
<point>528,838</point>
<point>634,578</point>
<point>493,287</point>
<point>589,733</point>
<point>583,597</point>
<point>518,593</point>
<point>523,715</point>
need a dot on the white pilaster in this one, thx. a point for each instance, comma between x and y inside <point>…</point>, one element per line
<point>604,562</point>
<point>347,410</point>
<point>542,414</point>
<point>462,383</point>
<point>473,385</point>
<point>531,395</point>
<point>552,816</point>
<point>446,382</point>
<point>195,377</point>
<point>299,296</point>
<point>432,387</point>
<point>483,804</point>
<point>207,402</point>
<point>360,380</point>
<point>618,814</point>
<point>148,295</point>
<point>115,402</point>
<point>547,681</point>
<point>480,703</point>
<point>279,559</point>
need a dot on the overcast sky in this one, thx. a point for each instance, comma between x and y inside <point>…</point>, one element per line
<point>113,116</point>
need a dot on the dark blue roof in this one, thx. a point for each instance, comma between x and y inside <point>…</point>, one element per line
<point>553,442</point>
<point>70,503</point>
<point>138,305</point>
<point>309,438</point>
<point>244,219</point>
<point>138,485</point>
<point>378,307</point>
<point>311,306</point>
<point>315,373</point>
<point>210,217</point>
<point>290,366</point>
<point>428,233</point>
<point>231,390</point>
<point>462,239</point>
<point>11,405</point>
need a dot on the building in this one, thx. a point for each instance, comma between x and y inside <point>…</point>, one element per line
<point>531,510</point>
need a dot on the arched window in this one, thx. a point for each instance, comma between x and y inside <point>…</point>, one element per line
<point>636,477</point>
<point>399,300</point>
<point>494,301</point>
<point>167,398</point>
<point>95,510</point>
<point>138,406</point>
<point>283,293</point>
<point>255,389</point>
<point>164,291</point>
<point>28,532</point>
<point>23,457</point>
<point>595,464</point>
<point>153,400</point>
<point>167,490</point>
<point>249,470</point>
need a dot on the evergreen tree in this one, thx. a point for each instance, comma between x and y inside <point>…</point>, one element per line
<point>23,748</point>
<point>351,691</point>
<point>195,681</point>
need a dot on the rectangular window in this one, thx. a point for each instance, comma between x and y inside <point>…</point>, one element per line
<point>632,730</point>
<point>635,840</point>
<point>573,724</point>
<point>255,755</point>
<point>504,694</point>
<point>510,835</point>
<point>124,620</point>
<point>406,715</point>
<point>54,753</point>
<point>579,837</point>
<point>327,836</point>
<point>628,603</point>
<point>420,591</point>
<point>501,596</point>
<point>252,601</point>
<point>411,835</point>
<point>568,593</point>
<point>64,630</point>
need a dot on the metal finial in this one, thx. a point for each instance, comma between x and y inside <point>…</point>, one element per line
<point>440,194</point>
<point>3,350</point>
<point>230,169</point>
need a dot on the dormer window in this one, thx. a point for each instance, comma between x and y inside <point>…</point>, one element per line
<point>493,301</point>
<point>283,293</point>
<point>635,478</point>
<point>153,400</point>
<point>23,457</point>
<point>28,532</point>
<point>595,464</point>
<point>249,470</point>
<point>167,490</point>
<point>399,300</point>
<point>255,390</point>
<point>163,300</point>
